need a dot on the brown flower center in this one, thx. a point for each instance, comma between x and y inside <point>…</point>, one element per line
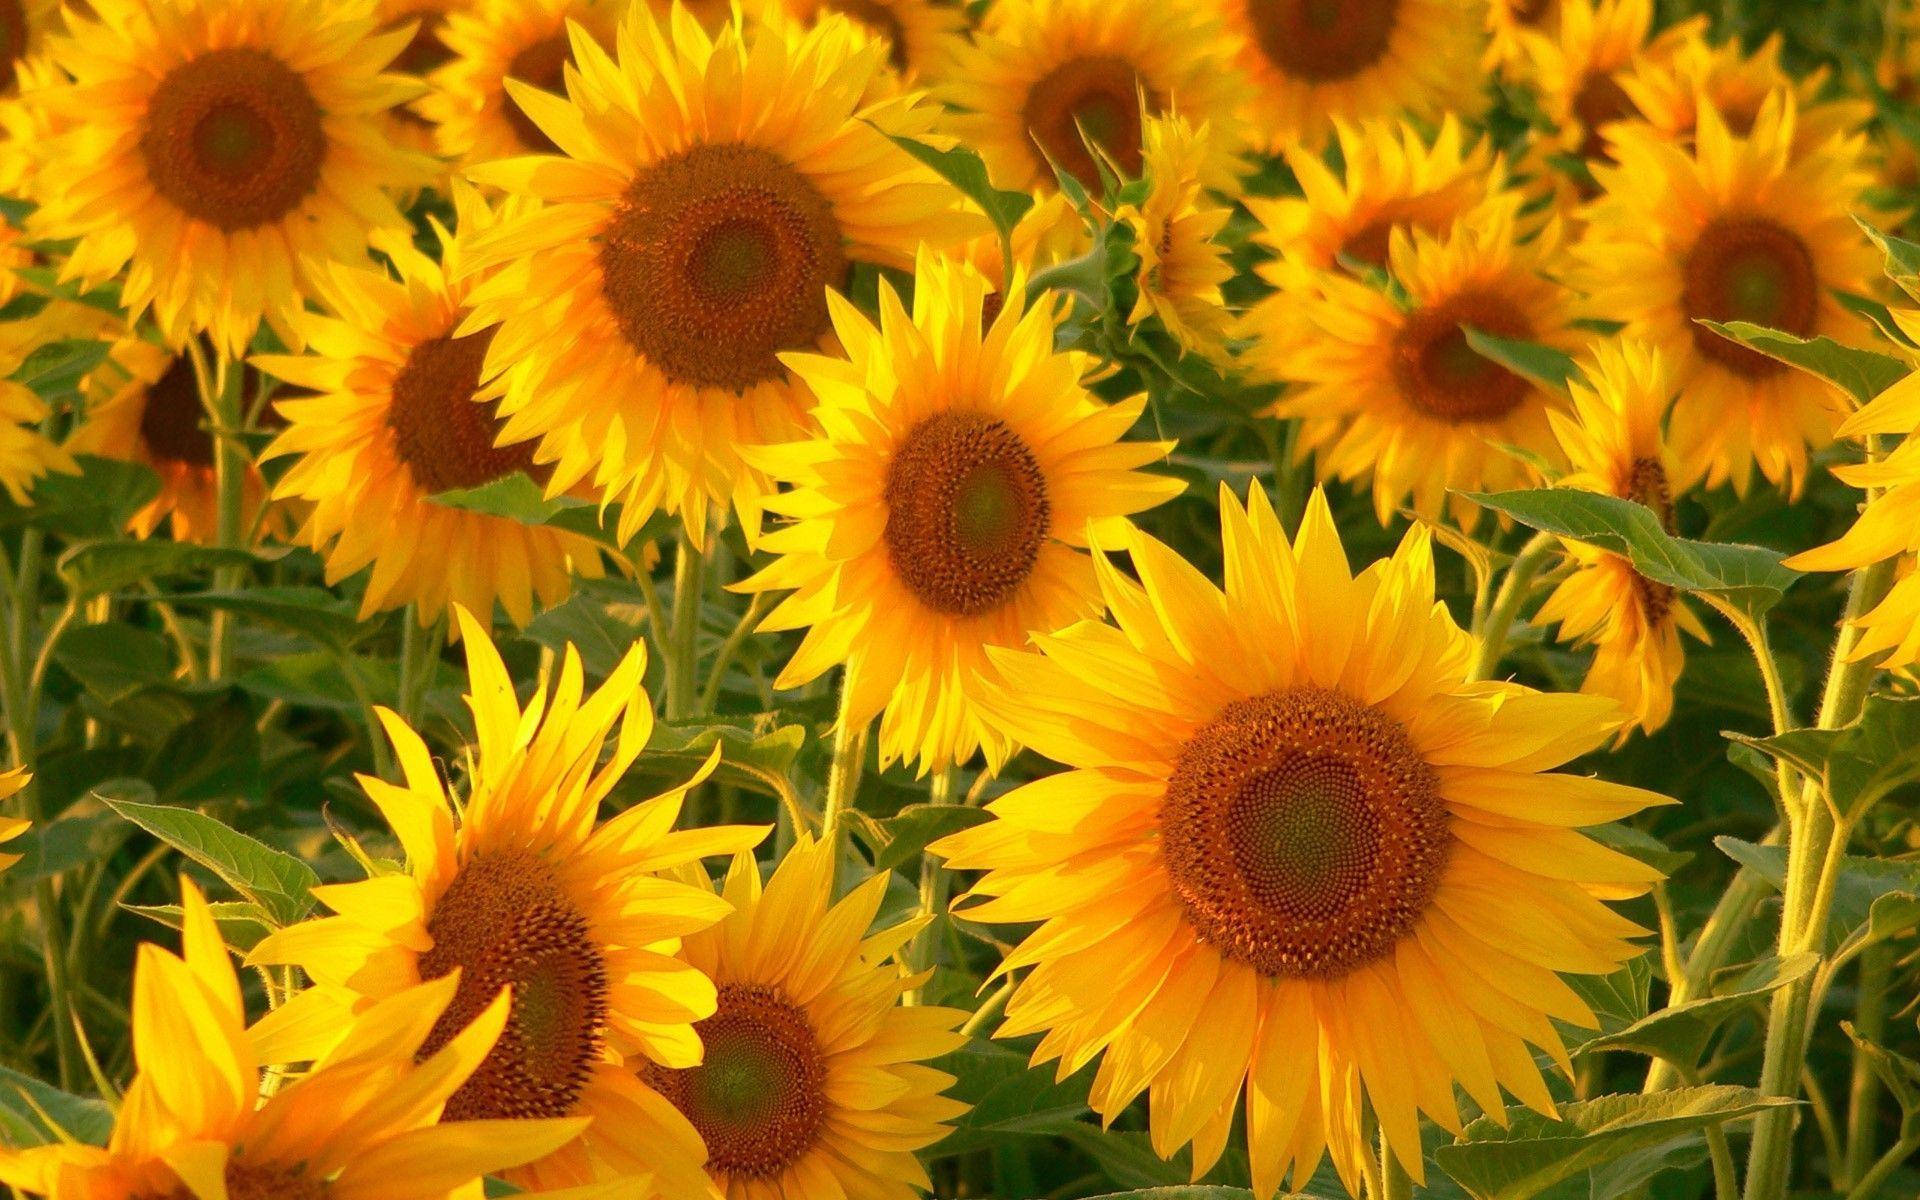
<point>1600,102</point>
<point>1323,41</point>
<point>1303,833</point>
<point>246,1182</point>
<point>1647,484</point>
<point>505,922</point>
<point>967,512</point>
<point>233,138</point>
<point>717,260</point>
<point>1749,269</point>
<point>424,51</point>
<point>542,65</point>
<point>1093,100</point>
<point>13,41</point>
<point>173,422</point>
<point>1529,12</point>
<point>759,1098</point>
<point>440,431</point>
<point>1439,372</point>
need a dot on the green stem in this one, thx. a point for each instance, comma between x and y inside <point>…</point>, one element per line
<point>1726,1177</point>
<point>843,776</point>
<point>990,1008</point>
<point>419,650</point>
<point>723,658</point>
<point>1514,589</point>
<point>683,636</point>
<point>1395,1183</point>
<point>934,882</point>
<point>219,382</point>
<point>1891,1161</point>
<point>1863,1094</point>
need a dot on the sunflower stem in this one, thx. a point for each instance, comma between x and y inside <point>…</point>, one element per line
<point>683,635</point>
<point>419,650</point>
<point>723,658</point>
<point>219,380</point>
<point>849,760</point>
<point>1863,1094</point>
<point>1814,842</point>
<point>934,881</point>
<point>1514,589</point>
<point>1395,1183</point>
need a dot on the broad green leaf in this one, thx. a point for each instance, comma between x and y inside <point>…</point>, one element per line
<point>214,755</point>
<point>308,611</point>
<point>1006,1098</point>
<point>1900,1073</point>
<point>602,620</point>
<point>97,568</point>
<point>114,659</point>
<point>85,833</point>
<point>1549,367</point>
<point>1859,764</point>
<point>1748,577</point>
<point>1869,894</point>
<point>273,879</point>
<point>1902,258</point>
<point>1679,1033</point>
<point>908,831</point>
<point>518,498</point>
<point>54,371</point>
<point>966,171</point>
<point>28,1105</point>
<point>241,922</point>
<point>1862,374</point>
<point>1619,1141</point>
<point>754,754</point>
<point>96,503</point>
<point>1617,1000</point>
<point>1879,314</point>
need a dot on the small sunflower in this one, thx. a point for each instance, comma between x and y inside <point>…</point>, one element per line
<point>1667,91</point>
<point>212,151</point>
<point>12,827</point>
<point>813,1084</point>
<point>1738,229</point>
<point>1296,854</point>
<point>715,188</point>
<point>1312,62</point>
<point>1044,78</point>
<point>1614,442</point>
<point>143,406</point>
<point>513,884</point>
<point>1578,71</point>
<point>1174,227</point>
<point>396,420</point>
<point>943,507</point>
<point>1392,392</point>
<point>364,1124</point>
<point>920,34</point>
<point>475,119</point>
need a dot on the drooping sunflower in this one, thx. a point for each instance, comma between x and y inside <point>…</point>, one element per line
<point>12,827</point>
<point>1738,229</point>
<point>920,34</point>
<point>1391,390</point>
<point>714,189</point>
<point>396,420</point>
<point>813,1083</point>
<point>1297,855</point>
<point>943,506</point>
<point>1312,62</point>
<point>1614,442</point>
<point>362,1125</point>
<point>212,151</point>
<point>1044,78</point>
<point>475,120</point>
<point>143,405</point>
<point>513,884</point>
<point>1174,227</point>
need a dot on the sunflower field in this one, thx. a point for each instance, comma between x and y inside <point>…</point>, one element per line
<point>992,599</point>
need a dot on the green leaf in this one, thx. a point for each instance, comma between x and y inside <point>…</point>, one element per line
<point>242,924</point>
<point>96,503</point>
<point>602,620</point>
<point>1618,1142</point>
<point>1007,1098</point>
<point>276,881</point>
<point>904,836</point>
<point>1859,764</point>
<point>1902,258</point>
<point>517,497</point>
<point>54,371</point>
<point>755,753</point>
<point>1544,365</point>
<point>37,1114</point>
<point>85,833</point>
<point>1900,1073</point>
<point>1862,374</point>
<point>1869,894</point>
<point>308,611</point>
<point>1617,1000</point>
<point>1748,577</point>
<point>113,659</point>
<point>965,170</point>
<point>97,568</point>
<point>1680,1032</point>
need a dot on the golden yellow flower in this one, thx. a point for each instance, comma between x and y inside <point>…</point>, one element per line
<point>1392,393</point>
<point>920,34</point>
<point>514,884</point>
<point>1042,73</point>
<point>1174,227</point>
<point>364,1124</point>
<point>1578,71</point>
<point>1667,90</point>
<point>1738,229</point>
<point>1613,441</point>
<point>1312,62</point>
<point>943,507</point>
<point>395,420</point>
<point>814,1081</point>
<point>213,152</point>
<point>1297,855</point>
<point>12,827</point>
<point>1510,23</point>
<point>24,25</point>
<point>25,452</point>
<point>714,189</point>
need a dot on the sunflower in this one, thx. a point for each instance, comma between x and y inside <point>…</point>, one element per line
<point>1312,62</point>
<point>1738,229</point>
<point>12,827</point>
<point>1043,78</point>
<point>362,1125</point>
<point>1578,71</point>
<point>26,125</point>
<point>395,421</point>
<point>1391,390</point>
<point>25,452</point>
<point>715,188</point>
<point>1297,853</point>
<point>143,406</point>
<point>475,119</point>
<point>813,1083</point>
<point>513,884</point>
<point>1509,25</point>
<point>24,25</point>
<point>920,34</point>
<point>212,151</point>
<point>1668,90</point>
<point>1174,227</point>
<point>1614,442</point>
<point>426,22</point>
<point>942,508</point>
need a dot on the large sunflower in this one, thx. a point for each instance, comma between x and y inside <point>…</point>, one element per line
<point>1740,229</point>
<point>395,421</point>
<point>1045,77</point>
<point>716,187</point>
<point>523,889</point>
<point>364,1124</point>
<point>1174,229</point>
<point>943,506</point>
<point>1297,855</point>
<point>1614,442</point>
<point>813,1083</point>
<point>1391,390</point>
<point>211,151</point>
<point>1312,62</point>
<point>475,120</point>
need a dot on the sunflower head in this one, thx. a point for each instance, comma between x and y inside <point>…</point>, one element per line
<point>920,35</point>
<point>1174,230</point>
<point>1579,70</point>
<point>476,119</point>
